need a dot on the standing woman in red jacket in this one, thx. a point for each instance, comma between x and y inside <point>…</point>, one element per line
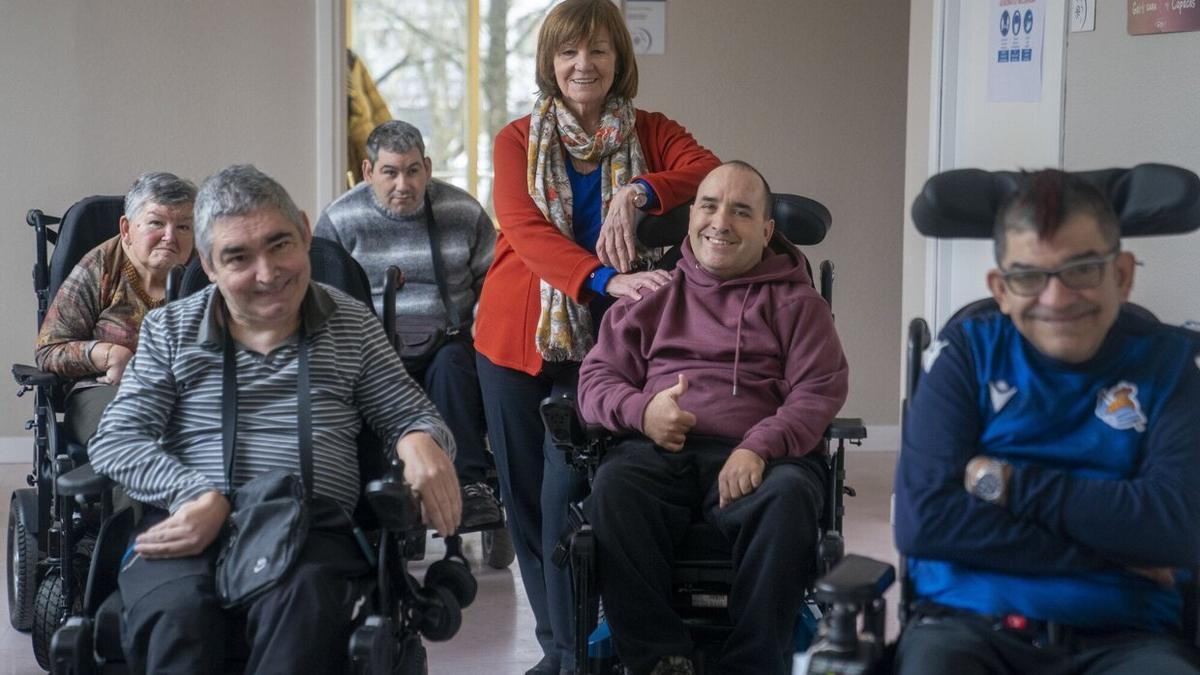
<point>570,180</point>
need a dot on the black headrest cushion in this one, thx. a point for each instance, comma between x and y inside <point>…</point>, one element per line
<point>804,221</point>
<point>87,224</point>
<point>1149,199</point>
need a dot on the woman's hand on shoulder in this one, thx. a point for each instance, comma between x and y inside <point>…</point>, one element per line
<point>617,245</point>
<point>632,285</point>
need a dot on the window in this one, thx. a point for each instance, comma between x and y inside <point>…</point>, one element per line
<point>459,70</point>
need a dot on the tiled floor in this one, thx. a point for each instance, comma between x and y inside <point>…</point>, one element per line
<point>497,631</point>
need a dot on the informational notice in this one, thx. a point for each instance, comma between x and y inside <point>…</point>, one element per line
<point>1148,17</point>
<point>647,22</point>
<point>1015,58</point>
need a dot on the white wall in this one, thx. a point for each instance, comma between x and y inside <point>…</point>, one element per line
<point>1132,99</point>
<point>978,133</point>
<point>1108,99</point>
<point>93,93</point>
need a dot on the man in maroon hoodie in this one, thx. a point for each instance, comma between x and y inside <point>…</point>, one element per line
<point>721,382</point>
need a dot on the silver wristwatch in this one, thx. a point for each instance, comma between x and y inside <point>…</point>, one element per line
<point>639,195</point>
<point>989,481</point>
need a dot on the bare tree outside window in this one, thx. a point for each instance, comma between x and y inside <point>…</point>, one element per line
<point>417,51</point>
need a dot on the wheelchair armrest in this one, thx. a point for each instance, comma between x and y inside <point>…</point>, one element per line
<point>582,443</point>
<point>82,480</point>
<point>846,428</point>
<point>856,579</point>
<point>30,376</point>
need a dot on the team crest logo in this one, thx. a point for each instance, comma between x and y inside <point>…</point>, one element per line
<point>1118,407</point>
<point>1001,393</point>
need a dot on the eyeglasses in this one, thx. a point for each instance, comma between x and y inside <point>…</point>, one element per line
<point>1077,276</point>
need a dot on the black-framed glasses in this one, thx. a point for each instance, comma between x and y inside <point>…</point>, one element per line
<point>1077,276</point>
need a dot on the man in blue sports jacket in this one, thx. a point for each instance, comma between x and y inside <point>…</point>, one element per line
<point>1048,489</point>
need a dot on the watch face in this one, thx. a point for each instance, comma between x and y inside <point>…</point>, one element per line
<point>988,487</point>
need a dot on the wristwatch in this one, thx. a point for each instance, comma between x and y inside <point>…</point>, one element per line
<point>639,195</point>
<point>987,479</point>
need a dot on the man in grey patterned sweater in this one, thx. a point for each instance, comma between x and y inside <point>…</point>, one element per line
<point>385,221</point>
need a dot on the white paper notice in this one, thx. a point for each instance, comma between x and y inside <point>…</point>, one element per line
<point>647,22</point>
<point>1083,16</point>
<point>1015,58</point>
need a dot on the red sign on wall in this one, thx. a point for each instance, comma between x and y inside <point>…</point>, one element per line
<point>1147,17</point>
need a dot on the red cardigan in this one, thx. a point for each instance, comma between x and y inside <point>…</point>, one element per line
<point>530,248</point>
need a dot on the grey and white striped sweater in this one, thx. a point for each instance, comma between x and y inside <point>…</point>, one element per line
<point>160,438</point>
<point>377,240</point>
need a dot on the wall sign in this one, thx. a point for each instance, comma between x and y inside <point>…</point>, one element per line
<point>647,22</point>
<point>1016,47</point>
<point>1148,17</point>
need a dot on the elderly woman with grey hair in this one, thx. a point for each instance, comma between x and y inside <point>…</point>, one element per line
<point>91,329</point>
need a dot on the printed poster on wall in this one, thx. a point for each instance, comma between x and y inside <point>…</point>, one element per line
<point>1015,57</point>
<point>1149,17</point>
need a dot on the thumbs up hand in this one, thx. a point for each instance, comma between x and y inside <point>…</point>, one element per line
<point>664,422</point>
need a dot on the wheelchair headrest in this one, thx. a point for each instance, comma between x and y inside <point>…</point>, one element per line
<point>1149,199</point>
<point>87,224</point>
<point>804,222</point>
<point>331,264</point>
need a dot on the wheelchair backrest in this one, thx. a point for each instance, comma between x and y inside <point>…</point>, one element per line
<point>331,264</point>
<point>804,222</point>
<point>87,224</point>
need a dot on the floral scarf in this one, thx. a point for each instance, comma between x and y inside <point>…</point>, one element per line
<point>564,330</point>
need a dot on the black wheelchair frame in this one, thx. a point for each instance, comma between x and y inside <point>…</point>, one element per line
<point>1149,199</point>
<point>498,551</point>
<point>49,543</point>
<point>701,581</point>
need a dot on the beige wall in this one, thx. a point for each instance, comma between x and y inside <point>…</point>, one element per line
<point>93,93</point>
<point>814,95</point>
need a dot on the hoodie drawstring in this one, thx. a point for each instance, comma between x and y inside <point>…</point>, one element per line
<point>737,347</point>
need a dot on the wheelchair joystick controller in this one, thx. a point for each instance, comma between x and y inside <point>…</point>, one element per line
<point>393,500</point>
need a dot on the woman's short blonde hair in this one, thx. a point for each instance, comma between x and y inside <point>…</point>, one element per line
<point>574,20</point>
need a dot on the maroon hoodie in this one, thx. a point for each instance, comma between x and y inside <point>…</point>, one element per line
<point>762,361</point>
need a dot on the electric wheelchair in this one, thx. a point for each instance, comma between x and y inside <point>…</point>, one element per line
<point>1149,199</point>
<point>498,551</point>
<point>49,546</point>
<point>401,609</point>
<point>702,573</point>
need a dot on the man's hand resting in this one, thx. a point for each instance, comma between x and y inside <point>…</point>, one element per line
<point>664,422</point>
<point>186,532</point>
<point>741,475</point>
<point>429,471</point>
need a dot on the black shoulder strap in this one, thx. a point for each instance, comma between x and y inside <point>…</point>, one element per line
<point>229,410</point>
<point>439,271</point>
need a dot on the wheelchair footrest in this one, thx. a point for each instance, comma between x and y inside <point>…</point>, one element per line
<point>71,648</point>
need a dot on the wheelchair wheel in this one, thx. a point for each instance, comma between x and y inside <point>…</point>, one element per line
<point>455,576</point>
<point>50,612</point>
<point>440,615</point>
<point>498,550</point>
<point>22,566</point>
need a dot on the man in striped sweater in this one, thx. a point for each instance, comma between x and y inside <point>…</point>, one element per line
<point>161,440</point>
<point>395,217</point>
